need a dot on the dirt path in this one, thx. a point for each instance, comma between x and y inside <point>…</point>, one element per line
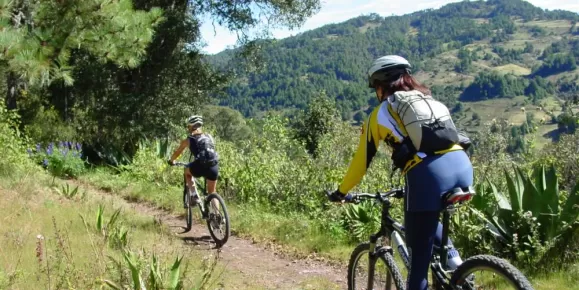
<point>243,257</point>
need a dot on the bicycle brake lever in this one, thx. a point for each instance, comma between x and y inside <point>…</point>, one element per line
<point>399,193</point>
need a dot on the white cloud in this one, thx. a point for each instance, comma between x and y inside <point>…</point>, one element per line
<point>570,5</point>
<point>335,11</point>
<point>216,38</point>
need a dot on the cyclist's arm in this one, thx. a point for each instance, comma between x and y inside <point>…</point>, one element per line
<point>184,144</point>
<point>376,128</point>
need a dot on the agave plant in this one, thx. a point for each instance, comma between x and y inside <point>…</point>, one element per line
<point>156,278</point>
<point>363,219</point>
<point>536,197</point>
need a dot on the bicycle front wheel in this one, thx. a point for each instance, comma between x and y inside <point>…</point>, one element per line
<point>188,212</point>
<point>217,219</point>
<point>363,272</point>
<point>498,274</point>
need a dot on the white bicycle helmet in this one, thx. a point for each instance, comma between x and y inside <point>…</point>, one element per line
<point>195,120</point>
<point>387,67</point>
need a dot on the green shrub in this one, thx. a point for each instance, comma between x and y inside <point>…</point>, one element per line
<point>12,142</point>
<point>62,160</point>
<point>47,125</point>
<point>564,155</point>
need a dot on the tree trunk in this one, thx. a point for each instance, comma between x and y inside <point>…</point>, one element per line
<point>11,91</point>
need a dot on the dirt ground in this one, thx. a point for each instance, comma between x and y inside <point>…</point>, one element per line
<point>255,263</point>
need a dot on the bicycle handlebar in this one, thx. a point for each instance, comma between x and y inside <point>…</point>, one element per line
<point>381,196</point>
<point>180,164</point>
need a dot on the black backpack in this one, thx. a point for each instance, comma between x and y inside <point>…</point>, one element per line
<point>202,146</point>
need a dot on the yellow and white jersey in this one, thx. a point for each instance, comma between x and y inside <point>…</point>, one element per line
<point>380,126</point>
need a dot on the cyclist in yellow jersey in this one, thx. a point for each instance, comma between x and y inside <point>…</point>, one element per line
<point>427,176</point>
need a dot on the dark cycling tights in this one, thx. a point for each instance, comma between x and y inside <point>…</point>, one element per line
<point>423,230</point>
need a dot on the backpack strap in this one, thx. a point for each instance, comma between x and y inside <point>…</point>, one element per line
<point>396,117</point>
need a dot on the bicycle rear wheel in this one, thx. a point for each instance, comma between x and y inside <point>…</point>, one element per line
<point>217,219</point>
<point>361,274</point>
<point>467,277</point>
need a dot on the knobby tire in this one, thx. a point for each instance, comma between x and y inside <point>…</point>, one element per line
<point>501,266</point>
<point>385,256</point>
<point>222,209</point>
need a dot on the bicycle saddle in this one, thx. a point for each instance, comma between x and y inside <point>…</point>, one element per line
<point>458,195</point>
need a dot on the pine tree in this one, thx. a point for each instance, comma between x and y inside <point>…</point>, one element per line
<point>37,37</point>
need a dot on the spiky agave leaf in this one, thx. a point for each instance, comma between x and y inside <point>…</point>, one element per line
<point>174,277</point>
<point>132,262</point>
<point>570,213</point>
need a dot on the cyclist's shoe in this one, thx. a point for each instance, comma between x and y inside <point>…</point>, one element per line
<point>194,199</point>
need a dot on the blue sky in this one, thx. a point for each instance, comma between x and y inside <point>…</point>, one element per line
<point>333,11</point>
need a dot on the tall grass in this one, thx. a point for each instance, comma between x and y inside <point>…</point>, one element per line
<point>83,241</point>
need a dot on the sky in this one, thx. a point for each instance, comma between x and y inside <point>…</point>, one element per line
<point>334,11</point>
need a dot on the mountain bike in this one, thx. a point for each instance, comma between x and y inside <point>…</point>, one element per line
<point>443,278</point>
<point>212,208</point>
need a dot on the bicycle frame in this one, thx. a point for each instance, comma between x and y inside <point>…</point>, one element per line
<point>196,184</point>
<point>389,226</point>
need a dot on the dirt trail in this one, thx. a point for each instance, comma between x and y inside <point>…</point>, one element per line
<point>253,261</point>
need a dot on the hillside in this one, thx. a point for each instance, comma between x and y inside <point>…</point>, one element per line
<point>469,52</point>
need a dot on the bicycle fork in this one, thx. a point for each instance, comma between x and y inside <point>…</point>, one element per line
<point>372,256</point>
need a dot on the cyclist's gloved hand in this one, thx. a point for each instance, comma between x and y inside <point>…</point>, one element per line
<point>170,162</point>
<point>337,196</point>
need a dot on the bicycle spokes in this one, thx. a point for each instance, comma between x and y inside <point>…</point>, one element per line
<point>215,217</point>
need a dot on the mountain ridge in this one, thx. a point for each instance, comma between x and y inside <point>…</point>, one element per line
<point>466,46</point>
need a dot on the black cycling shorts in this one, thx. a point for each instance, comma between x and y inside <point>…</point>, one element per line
<point>199,169</point>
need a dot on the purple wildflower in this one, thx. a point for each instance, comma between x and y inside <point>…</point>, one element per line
<point>29,151</point>
<point>45,162</point>
<point>38,147</point>
<point>78,146</point>
<point>49,149</point>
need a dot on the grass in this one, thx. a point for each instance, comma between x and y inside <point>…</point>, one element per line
<point>558,280</point>
<point>513,68</point>
<point>290,234</point>
<point>554,25</point>
<point>511,110</point>
<point>364,28</point>
<point>45,241</point>
<point>301,237</point>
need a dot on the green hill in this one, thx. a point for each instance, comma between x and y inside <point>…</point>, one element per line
<point>470,53</point>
